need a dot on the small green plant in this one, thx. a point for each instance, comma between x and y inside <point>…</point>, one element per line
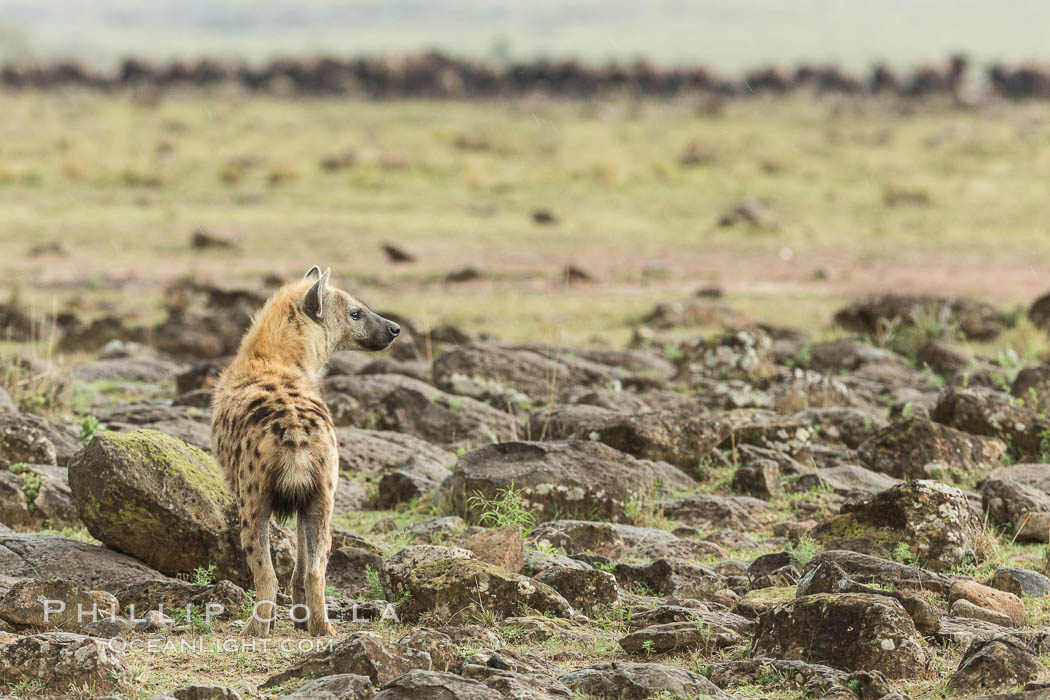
<point>902,553</point>
<point>455,404</point>
<point>375,584</point>
<point>672,352</point>
<point>648,646</point>
<point>203,575</point>
<point>803,550</point>
<point>1044,446</point>
<point>31,483</point>
<point>89,428</point>
<point>507,508</point>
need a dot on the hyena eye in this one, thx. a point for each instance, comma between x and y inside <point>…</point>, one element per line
<point>356,315</point>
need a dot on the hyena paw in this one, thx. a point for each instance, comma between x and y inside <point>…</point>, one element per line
<point>256,628</point>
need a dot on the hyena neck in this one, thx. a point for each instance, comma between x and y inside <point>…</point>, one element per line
<point>280,334</point>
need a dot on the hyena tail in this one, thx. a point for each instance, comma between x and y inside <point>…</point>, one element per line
<point>296,483</point>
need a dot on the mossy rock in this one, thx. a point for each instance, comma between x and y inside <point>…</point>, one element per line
<point>760,600</point>
<point>918,448</point>
<point>922,520</point>
<point>162,501</point>
<point>848,631</point>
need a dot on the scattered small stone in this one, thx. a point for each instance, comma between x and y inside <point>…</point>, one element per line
<point>395,253</point>
<point>154,621</point>
<point>1002,602</point>
<point>544,217</point>
<point>203,238</point>
<point>964,608</point>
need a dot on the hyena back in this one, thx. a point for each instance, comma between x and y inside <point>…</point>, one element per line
<point>272,433</point>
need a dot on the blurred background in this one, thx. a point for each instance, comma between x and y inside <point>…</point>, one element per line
<point>546,171</point>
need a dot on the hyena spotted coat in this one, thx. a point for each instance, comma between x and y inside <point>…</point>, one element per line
<point>272,433</point>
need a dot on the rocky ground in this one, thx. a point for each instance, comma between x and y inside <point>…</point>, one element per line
<point>750,512</point>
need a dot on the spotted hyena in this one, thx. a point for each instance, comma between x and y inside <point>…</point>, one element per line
<point>273,435</point>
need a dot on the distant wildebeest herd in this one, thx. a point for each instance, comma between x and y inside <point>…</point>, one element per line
<point>439,76</point>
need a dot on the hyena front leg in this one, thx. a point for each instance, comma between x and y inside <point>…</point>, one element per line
<point>255,540</point>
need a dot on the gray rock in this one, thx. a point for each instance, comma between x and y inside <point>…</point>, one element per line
<point>998,663</point>
<point>53,661</point>
<point>1009,502</point>
<point>363,654</point>
<point>88,565</point>
<point>863,567</point>
<point>672,577</point>
<point>421,684</point>
<point>849,631</point>
<point>30,439</point>
<point>456,589</point>
<point>701,636</point>
<point>340,686</point>
<point>635,681</point>
<point>737,512</point>
<point>1020,582</point>
<point>557,479</point>
<point>348,570</point>
<point>205,692</point>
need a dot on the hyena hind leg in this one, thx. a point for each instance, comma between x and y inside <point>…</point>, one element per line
<point>302,559</point>
<point>255,540</point>
<point>317,528</point>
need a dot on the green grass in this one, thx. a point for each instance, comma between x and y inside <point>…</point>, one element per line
<point>137,180</point>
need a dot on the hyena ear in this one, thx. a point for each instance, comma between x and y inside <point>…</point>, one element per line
<point>312,272</point>
<point>313,303</point>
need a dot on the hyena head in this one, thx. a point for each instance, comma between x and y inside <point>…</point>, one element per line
<point>348,322</point>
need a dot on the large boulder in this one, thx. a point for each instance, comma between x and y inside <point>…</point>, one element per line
<point>849,631</point>
<point>88,565</point>
<point>917,448</point>
<point>52,662</point>
<point>636,681</point>
<point>164,502</point>
<point>923,520</point>
<point>456,590</point>
<point>995,414</point>
<point>176,594</point>
<point>576,478</point>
